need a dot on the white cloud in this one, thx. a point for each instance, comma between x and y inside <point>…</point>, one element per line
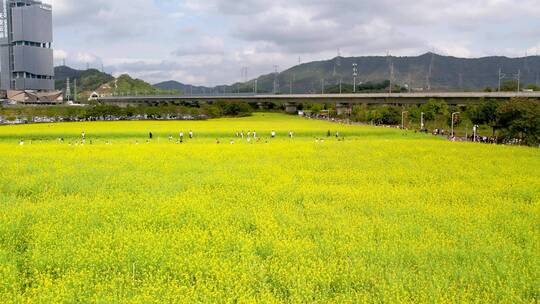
<point>205,46</point>
<point>60,54</point>
<point>208,41</point>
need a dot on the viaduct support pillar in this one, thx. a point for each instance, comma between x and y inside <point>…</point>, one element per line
<point>343,109</point>
<point>290,108</point>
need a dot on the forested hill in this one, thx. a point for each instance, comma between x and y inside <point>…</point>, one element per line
<point>425,71</point>
<point>428,71</point>
<point>92,80</point>
<point>87,80</point>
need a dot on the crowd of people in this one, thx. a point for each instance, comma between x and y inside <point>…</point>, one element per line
<point>249,136</point>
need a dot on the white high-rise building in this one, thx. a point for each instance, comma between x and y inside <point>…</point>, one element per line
<point>25,46</point>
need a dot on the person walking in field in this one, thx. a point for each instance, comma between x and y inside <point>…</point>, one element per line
<point>242,134</point>
<point>190,134</point>
<point>337,134</point>
<point>291,134</point>
<point>273,134</point>
<point>254,135</point>
<point>181,137</point>
<point>83,137</point>
<point>150,135</point>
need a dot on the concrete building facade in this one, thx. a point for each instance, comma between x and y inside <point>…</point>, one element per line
<point>25,46</point>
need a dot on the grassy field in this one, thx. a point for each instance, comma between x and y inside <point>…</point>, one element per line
<point>383,216</point>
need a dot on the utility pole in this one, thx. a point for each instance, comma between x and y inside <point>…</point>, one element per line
<point>355,74</point>
<point>422,124</point>
<point>75,90</point>
<point>403,119</point>
<point>518,76</point>
<point>322,86</point>
<point>453,121</point>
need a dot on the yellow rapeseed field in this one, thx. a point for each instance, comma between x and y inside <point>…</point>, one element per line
<point>382,216</point>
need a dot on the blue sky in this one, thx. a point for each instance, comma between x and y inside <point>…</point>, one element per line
<point>208,42</point>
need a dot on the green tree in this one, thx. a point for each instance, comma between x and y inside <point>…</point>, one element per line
<point>509,86</point>
<point>533,87</point>
<point>388,115</point>
<point>484,113</point>
<point>520,119</point>
<point>433,108</point>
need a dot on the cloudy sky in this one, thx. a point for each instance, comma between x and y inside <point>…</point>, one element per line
<point>208,42</point>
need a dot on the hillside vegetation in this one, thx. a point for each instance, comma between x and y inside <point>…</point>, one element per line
<point>92,80</point>
<point>428,71</point>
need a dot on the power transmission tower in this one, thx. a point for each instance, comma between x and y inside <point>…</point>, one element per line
<point>390,71</point>
<point>501,77</point>
<point>526,62</point>
<point>355,74</point>
<point>518,78</point>
<point>337,67</point>
<point>337,63</point>
<point>276,80</point>
<point>68,90</point>
<point>75,90</point>
<point>430,71</point>
<point>460,76</point>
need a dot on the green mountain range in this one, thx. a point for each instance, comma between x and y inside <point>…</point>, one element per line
<point>426,72</point>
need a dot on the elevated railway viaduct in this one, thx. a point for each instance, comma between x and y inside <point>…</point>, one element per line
<point>343,102</point>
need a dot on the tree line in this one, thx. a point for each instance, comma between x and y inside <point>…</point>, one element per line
<point>518,118</point>
<point>101,112</point>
